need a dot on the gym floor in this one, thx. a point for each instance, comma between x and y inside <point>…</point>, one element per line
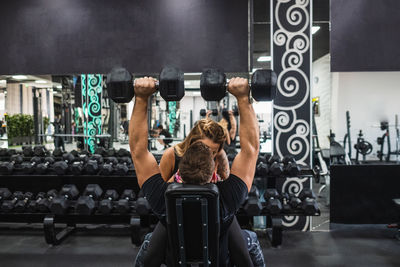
<point>344,245</point>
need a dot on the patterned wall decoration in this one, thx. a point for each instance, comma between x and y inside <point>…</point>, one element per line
<point>92,87</point>
<point>291,51</point>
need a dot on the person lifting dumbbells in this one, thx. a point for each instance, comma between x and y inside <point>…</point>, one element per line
<point>196,165</point>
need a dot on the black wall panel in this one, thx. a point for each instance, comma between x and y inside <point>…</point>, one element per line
<point>362,194</point>
<point>87,36</point>
<point>365,35</point>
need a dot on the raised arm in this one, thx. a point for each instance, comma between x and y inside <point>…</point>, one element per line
<point>232,119</point>
<point>244,164</point>
<point>145,164</point>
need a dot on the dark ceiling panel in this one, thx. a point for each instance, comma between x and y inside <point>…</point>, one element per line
<point>262,38</point>
<point>321,41</point>
<point>261,10</point>
<point>321,10</point>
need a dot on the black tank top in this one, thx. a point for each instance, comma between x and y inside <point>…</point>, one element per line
<point>177,159</point>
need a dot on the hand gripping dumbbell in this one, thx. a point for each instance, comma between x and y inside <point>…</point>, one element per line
<point>309,205</point>
<point>275,166</point>
<point>87,202</point>
<point>109,166</point>
<point>213,85</point>
<point>123,205</point>
<point>42,168</point>
<point>122,168</point>
<point>60,204</point>
<point>78,165</point>
<point>8,167</point>
<point>203,112</point>
<point>8,205</point>
<point>4,194</point>
<point>29,167</point>
<point>274,205</point>
<point>61,167</point>
<point>92,166</point>
<point>142,205</point>
<point>44,203</point>
<point>120,86</point>
<point>253,206</point>
<point>33,204</point>
<point>291,168</point>
<point>106,204</point>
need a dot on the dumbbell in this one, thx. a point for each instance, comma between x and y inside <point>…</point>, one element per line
<point>4,194</point>
<point>274,205</point>
<point>142,205</point>
<point>44,203</point>
<point>261,167</point>
<point>275,167</point>
<point>78,165</point>
<point>61,203</point>
<point>309,205</point>
<point>3,152</point>
<point>61,167</point>
<point>120,87</point>
<point>57,152</point>
<point>87,202</point>
<point>123,205</point>
<point>39,151</point>
<point>92,165</point>
<point>203,112</point>
<point>33,204</point>
<point>42,168</point>
<point>122,152</point>
<point>213,85</point>
<point>106,205</point>
<point>111,152</point>
<point>109,166</point>
<point>8,167</point>
<point>101,151</point>
<point>295,202</point>
<point>284,197</point>
<point>27,151</point>
<point>225,112</point>
<point>20,205</point>
<point>253,205</point>
<point>122,168</point>
<point>291,168</point>
<point>29,167</point>
<point>8,205</point>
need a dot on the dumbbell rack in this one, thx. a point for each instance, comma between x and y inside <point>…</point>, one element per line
<point>53,236</point>
<point>275,221</point>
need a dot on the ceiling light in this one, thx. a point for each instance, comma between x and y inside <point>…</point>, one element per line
<point>315,29</point>
<point>3,81</point>
<point>264,59</point>
<point>40,81</point>
<point>59,86</point>
<point>19,77</point>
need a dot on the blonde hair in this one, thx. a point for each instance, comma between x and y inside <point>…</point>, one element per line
<point>204,128</point>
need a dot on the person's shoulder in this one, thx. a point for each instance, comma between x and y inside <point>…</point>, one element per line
<point>231,181</point>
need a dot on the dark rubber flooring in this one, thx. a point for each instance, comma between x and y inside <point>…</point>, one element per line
<point>342,246</point>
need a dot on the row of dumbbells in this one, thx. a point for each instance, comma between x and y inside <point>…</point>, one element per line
<point>274,166</point>
<point>68,164</point>
<point>68,201</point>
<point>284,203</point>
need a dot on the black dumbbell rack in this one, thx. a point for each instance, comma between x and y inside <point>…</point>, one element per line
<point>275,221</point>
<point>38,183</point>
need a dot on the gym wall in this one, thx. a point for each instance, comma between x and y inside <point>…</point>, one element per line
<point>322,88</point>
<point>370,97</point>
<point>365,35</point>
<point>84,36</point>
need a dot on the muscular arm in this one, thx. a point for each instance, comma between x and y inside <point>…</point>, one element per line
<point>223,165</point>
<point>167,164</point>
<point>244,163</point>
<point>145,163</point>
<point>232,132</point>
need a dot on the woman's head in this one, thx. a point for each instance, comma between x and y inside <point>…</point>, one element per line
<point>208,132</point>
